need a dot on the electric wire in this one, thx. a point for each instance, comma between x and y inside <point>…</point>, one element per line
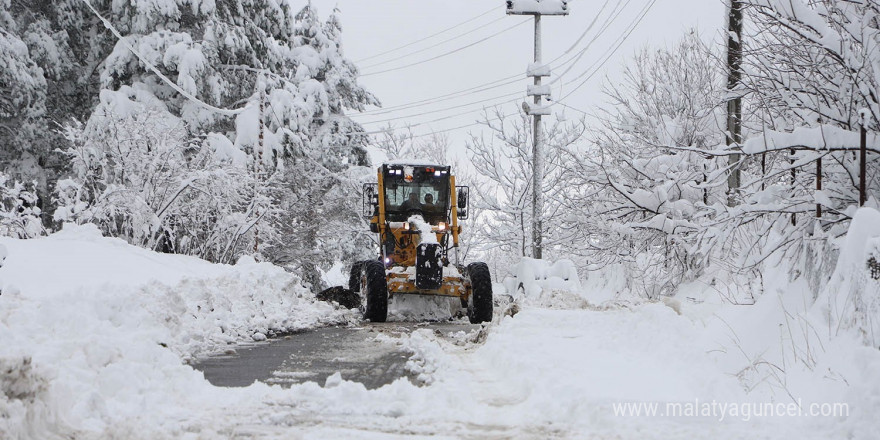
<point>405,66</point>
<point>589,73</point>
<point>506,80</point>
<point>518,93</point>
<point>610,53</point>
<point>615,14</point>
<point>409,54</point>
<point>492,9</point>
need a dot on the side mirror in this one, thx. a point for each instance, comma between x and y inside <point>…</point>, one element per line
<point>370,200</point>
<point>462,197</point>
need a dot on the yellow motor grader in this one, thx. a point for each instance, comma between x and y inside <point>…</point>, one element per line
<point>415,209</point>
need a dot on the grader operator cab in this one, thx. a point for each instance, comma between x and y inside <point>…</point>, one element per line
<point>415,209</point>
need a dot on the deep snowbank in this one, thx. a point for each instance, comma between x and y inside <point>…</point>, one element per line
<point>94,331</point>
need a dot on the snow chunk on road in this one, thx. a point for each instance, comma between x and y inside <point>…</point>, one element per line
<point>530,278</point>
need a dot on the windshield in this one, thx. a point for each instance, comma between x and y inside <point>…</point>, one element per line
<point>403,199</point>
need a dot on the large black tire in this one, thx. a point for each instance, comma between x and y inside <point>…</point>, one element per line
<point>375,290</point>
<point>480,301</point>
<point>354,276</point>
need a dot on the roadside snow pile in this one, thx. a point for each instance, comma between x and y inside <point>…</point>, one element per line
<point>789,347</point>
<point>94,331</point>
<point>546,284</point>
<point>852,297</point>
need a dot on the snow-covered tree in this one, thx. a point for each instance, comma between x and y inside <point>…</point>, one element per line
<point>19,209</point>
<point>138,176</point>
<point>322,150</point>
<point>502,160</point>
<point>810,82</point>
<point>34,57</point>
<point>641,187</point>
<point>262,79</point>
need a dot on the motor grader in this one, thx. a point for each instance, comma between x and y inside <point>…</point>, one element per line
<point>415,209</point>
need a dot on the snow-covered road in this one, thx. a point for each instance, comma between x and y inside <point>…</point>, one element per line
<point>357,352</point>
<point>541,374</point>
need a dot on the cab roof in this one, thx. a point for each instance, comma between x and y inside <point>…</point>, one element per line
<point>414,163</point>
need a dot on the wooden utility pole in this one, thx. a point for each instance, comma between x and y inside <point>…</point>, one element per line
<point>863,166</point>
<point>536,110</point>
<point>793,180</point>
<point>819,185</point>
<point>734,101</point>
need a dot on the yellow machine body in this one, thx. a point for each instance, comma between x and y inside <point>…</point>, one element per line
<point>400,231</point>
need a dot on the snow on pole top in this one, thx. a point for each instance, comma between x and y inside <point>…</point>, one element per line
<point>537,69</point>
<point>864,117</point>
<point>537,7</point>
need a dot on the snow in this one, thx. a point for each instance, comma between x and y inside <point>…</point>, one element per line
<point>413,162</point>
<point>426,232</point>
<point>543,7</point>
<point>96,334</point>
<point>97,331</point>
<point>536,109</point>
<point>541,90</point>
<point>336,275</point>
<point>851,299</point>
<point>822,137</point>
<point>225,150</point>
<point>531,278</point>
<point>536,69</point>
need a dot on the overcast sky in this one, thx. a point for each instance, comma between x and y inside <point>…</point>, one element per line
<point>371,27</point>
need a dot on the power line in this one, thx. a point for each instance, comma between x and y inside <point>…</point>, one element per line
<point>409,54</point>
<point>428,37</point>
<point>447,108</point>
<point>594,68</point>
<point>615,14</point>
<point>365,133</point>
<point>506,80</point>
<point>611,52</point>
<point>447,53</point>
<point>590,72</point>
<point>476,89</point>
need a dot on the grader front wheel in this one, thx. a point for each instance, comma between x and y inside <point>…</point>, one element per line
<point>480,302</point>
<point>375,289</point>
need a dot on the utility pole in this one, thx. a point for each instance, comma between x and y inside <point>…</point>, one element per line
<point>258,170</point>
<point>536,109</point>
<point>537,159</point>
<point>734,101</point>
<point>863,166</point>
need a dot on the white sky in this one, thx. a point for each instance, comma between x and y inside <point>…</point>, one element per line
<point>374,26</point>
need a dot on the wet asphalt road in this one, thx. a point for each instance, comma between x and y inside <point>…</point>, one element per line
<point>315,355</point>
